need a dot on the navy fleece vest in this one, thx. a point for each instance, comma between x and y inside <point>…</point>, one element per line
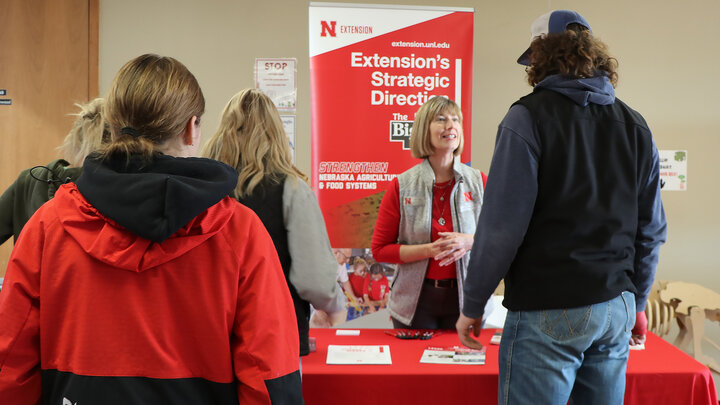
<point>579,246</point>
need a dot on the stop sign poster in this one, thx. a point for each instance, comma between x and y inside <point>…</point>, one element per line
<point>371,68</point>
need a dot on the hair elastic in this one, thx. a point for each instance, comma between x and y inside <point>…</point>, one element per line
<point>129,131</point>
<point>51,176</point>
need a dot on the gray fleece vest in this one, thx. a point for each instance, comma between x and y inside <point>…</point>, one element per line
<point>416,197</point>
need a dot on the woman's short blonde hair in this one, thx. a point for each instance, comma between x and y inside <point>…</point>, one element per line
<point>156,96</point>
<point>420,145</point>
<point>88,133</point>
<point>251,138</point>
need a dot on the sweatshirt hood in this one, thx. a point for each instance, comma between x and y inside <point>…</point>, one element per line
<point>593,90</point>
<point>154,199</point>
<point>108,242</point>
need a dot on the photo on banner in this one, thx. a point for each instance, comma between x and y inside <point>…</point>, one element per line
<point>371,68</point>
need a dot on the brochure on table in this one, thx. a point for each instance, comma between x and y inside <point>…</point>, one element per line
<point>453,355</point>
<point>358,354</point>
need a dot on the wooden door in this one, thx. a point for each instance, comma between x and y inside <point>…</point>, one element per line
<point>48,62</point>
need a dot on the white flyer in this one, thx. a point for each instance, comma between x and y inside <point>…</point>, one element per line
<point>673,170</point>
<point>356,354</point>
<point>288,122</point>
<point>277,78</point>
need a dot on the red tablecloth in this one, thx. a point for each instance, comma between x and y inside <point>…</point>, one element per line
<point>661,374</point>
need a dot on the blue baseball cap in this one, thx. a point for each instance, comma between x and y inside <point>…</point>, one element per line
<point>554,22</point>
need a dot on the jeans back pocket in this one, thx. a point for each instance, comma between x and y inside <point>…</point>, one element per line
<point>561,324</point>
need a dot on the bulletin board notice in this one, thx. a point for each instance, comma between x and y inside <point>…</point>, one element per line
<point>673,170</point>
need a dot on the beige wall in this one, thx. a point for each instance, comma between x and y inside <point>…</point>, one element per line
<point>666,59</point>
<point>667,54</point>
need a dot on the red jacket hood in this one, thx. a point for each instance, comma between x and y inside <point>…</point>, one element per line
<point>105,240</point>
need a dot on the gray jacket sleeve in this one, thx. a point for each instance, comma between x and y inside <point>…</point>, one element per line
<point>313,271</point>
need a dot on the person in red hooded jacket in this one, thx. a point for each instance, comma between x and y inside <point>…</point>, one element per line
<point>139,283</point>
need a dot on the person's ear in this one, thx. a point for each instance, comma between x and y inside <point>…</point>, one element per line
<point>192,131</point>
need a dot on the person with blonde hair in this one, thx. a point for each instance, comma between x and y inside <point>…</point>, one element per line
<point>251,139</point>
<point>88,134</point>
<point>155,285</point>
<point>427,219</point>
<point>357,278</point>
<point>37,185</point>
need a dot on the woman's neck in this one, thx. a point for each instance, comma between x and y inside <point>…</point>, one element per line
<point>176,148</point>
<point>442,165</point>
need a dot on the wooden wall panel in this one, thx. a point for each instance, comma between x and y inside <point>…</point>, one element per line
<point>48,62</point>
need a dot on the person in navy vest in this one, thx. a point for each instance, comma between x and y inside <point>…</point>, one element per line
<point>572,221</point>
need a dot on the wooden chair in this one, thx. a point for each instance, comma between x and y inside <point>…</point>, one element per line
<point>660,315</point>
<point>692,304</point>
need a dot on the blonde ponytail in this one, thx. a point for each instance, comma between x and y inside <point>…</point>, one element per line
<point>88,133</point>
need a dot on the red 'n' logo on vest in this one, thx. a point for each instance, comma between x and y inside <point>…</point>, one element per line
<point>408,201</point>
<point>468,196</point>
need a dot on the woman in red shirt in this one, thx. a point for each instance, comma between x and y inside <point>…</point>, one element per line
<point>427,220</point>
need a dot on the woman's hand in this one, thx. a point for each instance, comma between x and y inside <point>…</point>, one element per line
<point>451,246</point>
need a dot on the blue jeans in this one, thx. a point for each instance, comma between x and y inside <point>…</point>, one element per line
<point>576,354</point>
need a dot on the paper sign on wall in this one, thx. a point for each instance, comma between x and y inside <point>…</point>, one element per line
<point>288,122</point>
<point>277,79</point>
<point>673,170</point>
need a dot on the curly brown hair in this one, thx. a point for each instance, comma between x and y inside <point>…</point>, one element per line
<point>574,53</point>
